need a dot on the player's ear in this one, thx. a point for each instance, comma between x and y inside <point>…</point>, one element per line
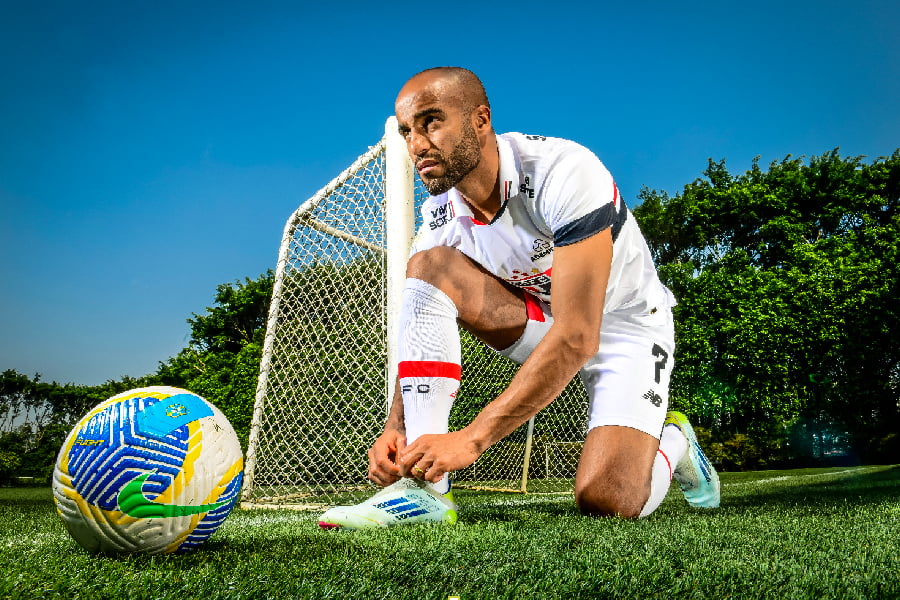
<point>481,119</point>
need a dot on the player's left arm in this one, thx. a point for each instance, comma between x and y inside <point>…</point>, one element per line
<point>580,277</point>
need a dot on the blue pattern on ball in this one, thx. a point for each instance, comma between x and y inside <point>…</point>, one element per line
<point>99,472</point>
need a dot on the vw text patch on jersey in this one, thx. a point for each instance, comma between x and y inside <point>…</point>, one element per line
<point>441,215</point>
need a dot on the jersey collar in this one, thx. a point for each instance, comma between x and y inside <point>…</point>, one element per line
<point>509,183</point>
<point>509,170</point>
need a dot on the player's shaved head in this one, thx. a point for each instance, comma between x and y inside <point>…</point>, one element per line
<point>444,116</point>
<point>455,84</point>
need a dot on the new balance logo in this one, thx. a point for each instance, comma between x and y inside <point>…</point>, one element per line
<point>654,398</point>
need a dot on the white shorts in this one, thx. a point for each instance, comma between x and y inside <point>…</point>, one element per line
<point>627,381</point>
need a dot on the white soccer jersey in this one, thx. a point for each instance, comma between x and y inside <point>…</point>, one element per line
<point>555,192</point>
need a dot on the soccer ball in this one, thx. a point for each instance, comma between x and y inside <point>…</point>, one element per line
<point>151,470</point>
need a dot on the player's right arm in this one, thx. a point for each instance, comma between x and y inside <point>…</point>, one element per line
<point>383,469</point>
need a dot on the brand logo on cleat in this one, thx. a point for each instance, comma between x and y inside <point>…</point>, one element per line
<point>705,467</point>
<point>402,508</point>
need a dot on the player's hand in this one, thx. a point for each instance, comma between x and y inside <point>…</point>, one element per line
<point>383,467</point>
<point>433,455</point>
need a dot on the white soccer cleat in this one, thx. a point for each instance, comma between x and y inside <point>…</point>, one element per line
<point>403,503</point>
<point>694,473</point>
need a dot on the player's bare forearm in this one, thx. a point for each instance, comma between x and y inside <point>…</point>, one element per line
<point>430,456</point>
<point>580,277</point>
<point>540,380</point>
<point>581,274</point>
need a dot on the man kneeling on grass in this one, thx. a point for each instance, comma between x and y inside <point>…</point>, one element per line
<point>512,209</point>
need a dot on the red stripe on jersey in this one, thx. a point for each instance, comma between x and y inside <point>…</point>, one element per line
<point>453,214</point>
<point>533,309</point>
<point>615,194</point>
<point>429,368</point>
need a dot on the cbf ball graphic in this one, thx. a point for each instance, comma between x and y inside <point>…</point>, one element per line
<point>154,470</point>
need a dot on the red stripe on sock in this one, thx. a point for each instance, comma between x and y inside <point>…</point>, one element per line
<point>429,368</point>
<point>668,463</point>
<point>533,309</point>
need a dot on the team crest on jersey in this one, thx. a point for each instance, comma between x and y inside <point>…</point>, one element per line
<point>441,215</point>
<point>534,282</point>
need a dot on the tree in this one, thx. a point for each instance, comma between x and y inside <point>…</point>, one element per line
<point>787,281</point>
<point>221,361</point>
<point>35,418</point>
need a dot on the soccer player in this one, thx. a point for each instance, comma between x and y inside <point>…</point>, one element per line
<point>527,244</point>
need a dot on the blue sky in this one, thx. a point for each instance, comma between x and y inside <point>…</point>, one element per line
<point>150,151</point>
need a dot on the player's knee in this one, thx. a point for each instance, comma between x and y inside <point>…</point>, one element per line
<point>433,265</point>
<point>609,498</point>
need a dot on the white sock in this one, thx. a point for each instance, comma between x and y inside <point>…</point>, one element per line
<point>672,446</point>
<point>430,361</point>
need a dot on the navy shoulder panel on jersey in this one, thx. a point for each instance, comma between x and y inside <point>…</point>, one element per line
<point>607,216</point>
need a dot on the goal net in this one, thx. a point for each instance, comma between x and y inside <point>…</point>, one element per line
<point>329,363</point>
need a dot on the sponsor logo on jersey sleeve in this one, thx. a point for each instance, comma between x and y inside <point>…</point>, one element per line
<point>525,187</point>
<point>540,249</point>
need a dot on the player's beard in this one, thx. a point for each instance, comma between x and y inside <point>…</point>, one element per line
<point>464,157</point>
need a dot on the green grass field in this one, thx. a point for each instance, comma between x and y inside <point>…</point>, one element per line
<point>814,533</point>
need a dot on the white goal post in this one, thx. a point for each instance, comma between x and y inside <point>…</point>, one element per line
<point>329,358</point>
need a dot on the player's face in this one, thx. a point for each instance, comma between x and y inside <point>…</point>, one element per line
<point>440,138</point>
<point>441,170</point>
